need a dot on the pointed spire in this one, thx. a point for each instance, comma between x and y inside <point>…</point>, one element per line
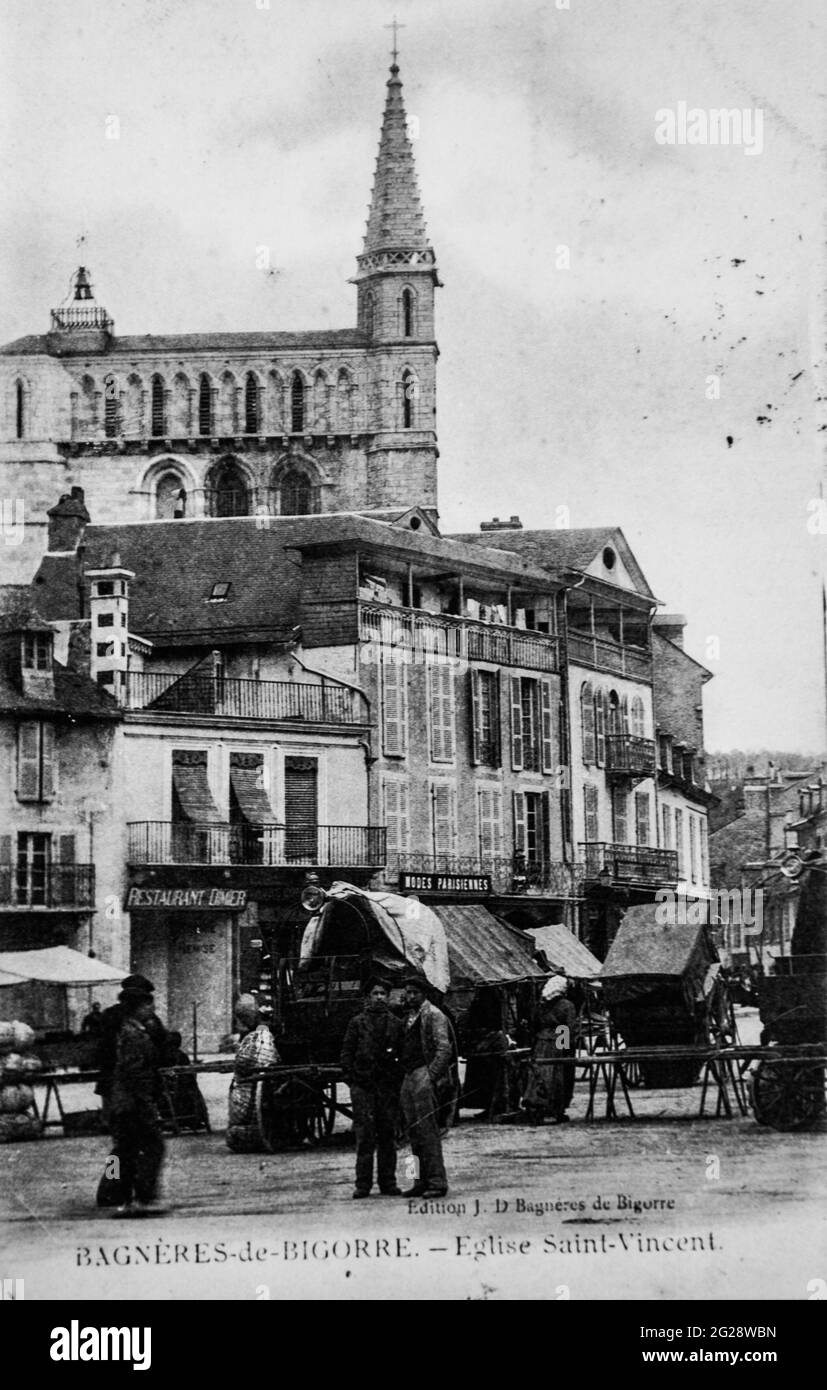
<point>395,221</point>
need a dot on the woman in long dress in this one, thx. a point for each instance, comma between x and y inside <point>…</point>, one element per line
<point>256,1052</point>
<point>550,1088</point>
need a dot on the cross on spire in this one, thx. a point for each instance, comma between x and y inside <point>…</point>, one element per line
<point>395,26</point>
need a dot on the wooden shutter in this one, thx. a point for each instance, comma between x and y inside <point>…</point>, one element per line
<point>667,827</point>
<point>519,823</point>
<point>476,731</point>
<point>642,818</point>
<point>394,708</point>
<point>396,815</point>
<point>679,840</point>
<point>48,763</point>
<point>443,803</point>
<point>66,849</point>
<point>620,817</point>
<point>490,814</point>
<point>516,724</point>
<point>592,824</point>
<point>546,727</point>
<point>600,727</point>
<point>28,761</point>
<point>5,849</point>
<point>587,722</point>
<point>638,717</point>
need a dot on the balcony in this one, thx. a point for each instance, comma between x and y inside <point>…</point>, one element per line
<point>628,756</point>
<point>64,887</point>
<point>276,846</point>
<point>508,874</point>
<point>202,692</point>
<point>424,635</point>
<point>630,863</point>
<point>601,655</point>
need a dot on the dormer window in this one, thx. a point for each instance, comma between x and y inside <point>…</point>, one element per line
<point>105,588</point>
<point>37,651</point>
<point>220,592</point>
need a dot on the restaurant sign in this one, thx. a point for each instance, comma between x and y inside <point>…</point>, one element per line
<point>445,883</point>
<point>187,899</point>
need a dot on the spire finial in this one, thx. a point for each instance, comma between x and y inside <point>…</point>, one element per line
<point>395,26</point>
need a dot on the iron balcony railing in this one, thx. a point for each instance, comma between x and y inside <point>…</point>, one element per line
<point>202,692</point>
<point>630,863</point>
<point>417,636</point>
<point>69,886</point>
<point>630,756</point>
<point>601,655</point>
<point>508,873</point>
<point>214,842</point>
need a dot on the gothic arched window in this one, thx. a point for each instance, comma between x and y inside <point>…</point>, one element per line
<point>204,405</point>
<point>227,491</point>
<point>407,313</point>
<point>297,495</point>
<point>344,414</point>
<point>158,407</point>
<point>110,405</point>
<point>410,391</point>
<point>251,413</point>
<point>297,403</point>
<point>170,497</point>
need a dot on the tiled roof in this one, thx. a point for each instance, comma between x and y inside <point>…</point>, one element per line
<point>562,549</point>
<point>160,343</point>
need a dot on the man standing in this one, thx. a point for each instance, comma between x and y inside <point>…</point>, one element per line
<point>370,1061</point>
<point>428,1054</point>
<point>134,1117</point>
<point>111,1021</point>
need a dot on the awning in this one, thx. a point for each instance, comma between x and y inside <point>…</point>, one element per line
<point>563,951</point>
<point>56,965</point>
<point>645,946</point>
<point>189,778</point>
<point>483,950</point>
<point>252,799</point>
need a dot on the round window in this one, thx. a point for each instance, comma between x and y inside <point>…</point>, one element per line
<point>609,558</point>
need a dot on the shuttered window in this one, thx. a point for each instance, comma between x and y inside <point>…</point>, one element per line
<point>692,825</point>
<point>444,817</point>
<point>394,707</point>
<point>620,817</point>
<point>519,824</point>
<point>679,845</point>
<point>441,711</point>
<point>396,815</point>
<point>666,817</point>
<point>704,853</point>
<point>546,728</point>
<point>485,718</point>
<point>600,727</point>
<point>517,752</point>
<point>35,761</point>
<point>532,725</point>
<point>490,823</point>
<point>638,717</point>
<point>587,721</point>
<point>642,829</point>
<point>592,823</point>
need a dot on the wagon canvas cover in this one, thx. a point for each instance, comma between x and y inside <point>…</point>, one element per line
<point>413,930</point>
<point>647,953</point>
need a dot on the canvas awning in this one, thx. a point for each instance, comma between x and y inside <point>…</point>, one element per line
<point>484,951</point>
<point>189,779</point>
<point>253,802</point>
<point>56,965</point>
<point>564,952</point>
<point>646,947</point>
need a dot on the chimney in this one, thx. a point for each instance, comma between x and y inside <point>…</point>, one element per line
<point>68,521</point>
<point>670,626</point>
<point>513,524</point>
<point>109,626</point>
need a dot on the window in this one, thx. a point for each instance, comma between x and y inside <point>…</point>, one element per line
<point>638,717</point>
<point>35,761</point>
<point>485,718</point>
<point>394,708</point>
<point>587,721</point>
<point>692,827</point>
<point>220,592</point>
<point>106,620</point>
<point>590,810</point>
<point>410,391</point>
<point>490,823</point>
<point>666,819</point>
<point>531,827</point>
<point>34,853</point>
<point>397,817</point>
<point>620,817</point>
<point>251,416</point>
<point>20,410</point>
<point>296,494</point>
<point>443,817</point>
<point>679,846</point>
<point>600,726</point>
<point>297,404</point>
<point>704,851</point>
<point>642,830</point>
<point>110,405</point>
<point>228,494</point>
<point>204,406</point>
<point>532,735</point>
<point>441,709</point>
<point>158,410</point>
<point>37,651</point>
<point>407,313</point>
<point>665,746</point>
<point>170,497</point>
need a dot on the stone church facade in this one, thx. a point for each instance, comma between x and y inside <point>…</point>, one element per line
<point>227,424</point>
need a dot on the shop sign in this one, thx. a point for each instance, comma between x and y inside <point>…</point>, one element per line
<point>445,883</point>
<point>187,899</point>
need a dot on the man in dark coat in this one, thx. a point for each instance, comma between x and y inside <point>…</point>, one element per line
<point>110,1026</point>
<point>370,1062</point>
<point>133,1106</point>
<point>428,1061</point>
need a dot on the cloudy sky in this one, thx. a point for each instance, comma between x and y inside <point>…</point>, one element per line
<point>244,124</point>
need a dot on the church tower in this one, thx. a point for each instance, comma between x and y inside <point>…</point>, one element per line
<point>395,281</point>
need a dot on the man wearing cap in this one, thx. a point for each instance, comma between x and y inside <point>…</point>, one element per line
<point>111,1021</point>
<point>133,1105</point>
<point>427,1055</point>
<point>370,1062</point>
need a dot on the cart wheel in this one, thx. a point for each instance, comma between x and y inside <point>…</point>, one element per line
<point>786,1095</point>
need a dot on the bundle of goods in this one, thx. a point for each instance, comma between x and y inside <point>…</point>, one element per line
<point>18,1065</point>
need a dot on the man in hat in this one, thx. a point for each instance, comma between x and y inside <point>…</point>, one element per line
<point>370,1062</point>
<point>110,1025</point>
<point>133,1105</point>
<point>427,1057</point>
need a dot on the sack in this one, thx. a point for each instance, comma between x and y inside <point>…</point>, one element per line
<point>111,1191</point>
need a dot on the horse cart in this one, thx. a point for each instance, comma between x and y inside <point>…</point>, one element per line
<point>480,972</point>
